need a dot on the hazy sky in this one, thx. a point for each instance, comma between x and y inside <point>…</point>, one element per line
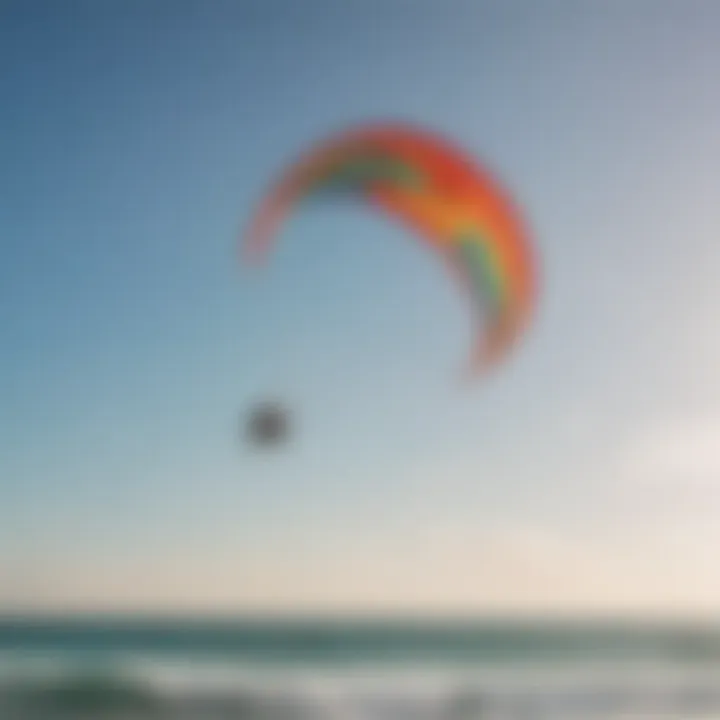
<point>136,135</point>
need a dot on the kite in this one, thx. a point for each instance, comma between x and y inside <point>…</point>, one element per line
<point>455,205</point>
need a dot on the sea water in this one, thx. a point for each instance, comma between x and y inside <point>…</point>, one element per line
<point>272,670</point>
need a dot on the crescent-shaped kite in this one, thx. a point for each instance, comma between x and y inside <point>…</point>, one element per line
<point>455,205</point>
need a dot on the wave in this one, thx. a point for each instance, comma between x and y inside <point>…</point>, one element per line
<point>89,696</point>
<point>203,693</point>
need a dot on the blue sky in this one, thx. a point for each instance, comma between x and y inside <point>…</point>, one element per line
<point>136,139</point>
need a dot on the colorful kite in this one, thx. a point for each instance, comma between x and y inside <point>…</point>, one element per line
<point>454,205</point>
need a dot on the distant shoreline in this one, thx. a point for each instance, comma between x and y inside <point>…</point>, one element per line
<point>411,620</point>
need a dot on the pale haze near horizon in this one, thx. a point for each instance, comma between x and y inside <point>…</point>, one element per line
<point>585,477</point>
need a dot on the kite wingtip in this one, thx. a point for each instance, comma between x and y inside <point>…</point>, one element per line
<point>484,361</point>
<point>473,371</point>
<point>250,251</point>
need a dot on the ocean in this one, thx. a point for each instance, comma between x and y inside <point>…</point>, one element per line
<point>131,669</point>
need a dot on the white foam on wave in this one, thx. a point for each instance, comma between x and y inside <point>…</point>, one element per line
<point>199,689</point>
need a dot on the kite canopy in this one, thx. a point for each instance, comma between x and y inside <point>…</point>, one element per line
<point>453,204</point>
